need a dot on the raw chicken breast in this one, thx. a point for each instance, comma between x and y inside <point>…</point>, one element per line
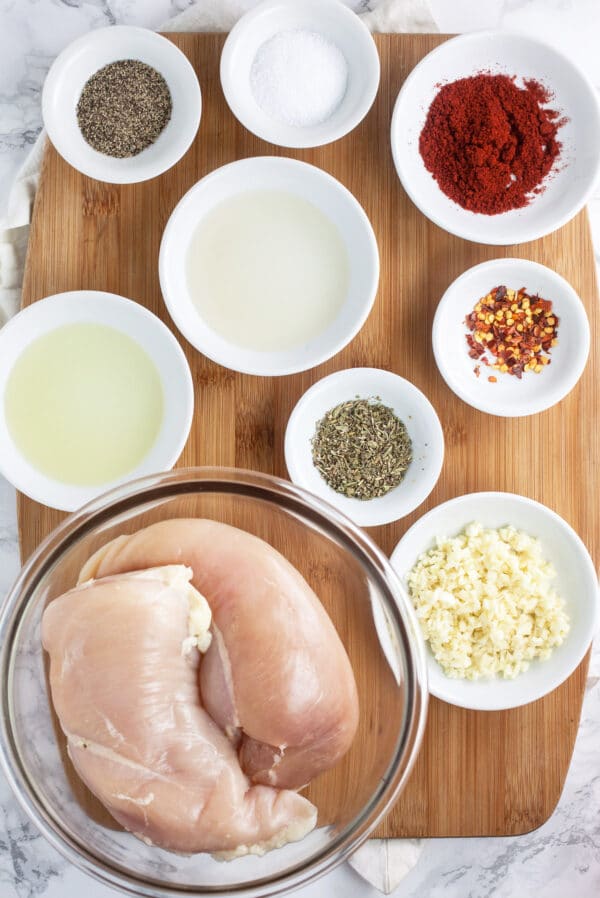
<point>124,678</point>
<point>276,677</point>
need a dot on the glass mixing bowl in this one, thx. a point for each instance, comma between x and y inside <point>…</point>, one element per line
<point>369,608</point>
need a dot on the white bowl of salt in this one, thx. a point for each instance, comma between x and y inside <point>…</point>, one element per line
<point>300,73</point>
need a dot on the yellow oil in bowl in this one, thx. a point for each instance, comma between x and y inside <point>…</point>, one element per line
<point>84,404</point>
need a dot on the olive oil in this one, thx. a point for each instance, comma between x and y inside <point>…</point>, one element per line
<point>84,404</point>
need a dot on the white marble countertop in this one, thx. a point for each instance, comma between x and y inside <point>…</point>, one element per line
<point>560,858</point>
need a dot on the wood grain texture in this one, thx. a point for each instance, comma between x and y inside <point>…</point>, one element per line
<point>478,773</point>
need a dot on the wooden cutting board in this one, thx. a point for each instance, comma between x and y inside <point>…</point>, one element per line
<point>477,773</point>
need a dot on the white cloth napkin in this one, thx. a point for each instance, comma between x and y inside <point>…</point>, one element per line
<point>14,230</point>
<point>382,862</point>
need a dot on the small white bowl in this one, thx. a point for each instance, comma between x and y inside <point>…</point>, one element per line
<point>79,61</point>
<point>576,583</point>
<point>408,403</point>
<point>569,184</point>
<point>334,21</point>
<point>130,318</point>
<point>278,174</point>
<point>510,397</point>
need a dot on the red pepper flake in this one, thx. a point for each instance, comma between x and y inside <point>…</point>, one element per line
<point>492,379</point>
<point>477,370</point>
<point>512,332</point>
<point>488,143</point>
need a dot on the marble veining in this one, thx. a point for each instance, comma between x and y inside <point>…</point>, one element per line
<point>560,858</point>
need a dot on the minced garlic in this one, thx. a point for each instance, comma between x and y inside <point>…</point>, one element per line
<point>485,602</point>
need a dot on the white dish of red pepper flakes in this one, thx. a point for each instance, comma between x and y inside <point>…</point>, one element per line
<point>511,337</point>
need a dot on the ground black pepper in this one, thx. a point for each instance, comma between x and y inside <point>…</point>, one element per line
<point>123,108</point>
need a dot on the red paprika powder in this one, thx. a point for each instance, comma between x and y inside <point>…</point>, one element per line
<point>488,143</point>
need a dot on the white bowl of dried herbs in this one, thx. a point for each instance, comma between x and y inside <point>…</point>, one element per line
<point>368,441</point>
<point>121,104</point>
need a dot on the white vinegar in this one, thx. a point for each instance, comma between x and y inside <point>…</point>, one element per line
<point>267,270</point>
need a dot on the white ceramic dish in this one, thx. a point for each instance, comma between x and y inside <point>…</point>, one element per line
<point>79,61</point>
<point>333,200</point>
<point>510,397</point>
<point>576,582</point>
<point>132,319</point>
<point>408,403</point>
<point>568,186</point>
<point>333,20</point>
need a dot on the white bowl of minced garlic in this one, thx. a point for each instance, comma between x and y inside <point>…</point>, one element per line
<point>506,594</point>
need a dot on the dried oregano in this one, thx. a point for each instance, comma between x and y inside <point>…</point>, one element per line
<point>361,448</point>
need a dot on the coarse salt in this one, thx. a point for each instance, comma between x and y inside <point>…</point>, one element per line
<point>299,78</point>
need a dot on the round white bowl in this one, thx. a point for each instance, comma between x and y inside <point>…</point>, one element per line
<point>407,402</point>
<point>572,180</point>
<point>334,21</point>
<point>130,318</point>
<point>79,61</point>
<point>510,397</point>
<point>291,176</point>
<point>576,582</point>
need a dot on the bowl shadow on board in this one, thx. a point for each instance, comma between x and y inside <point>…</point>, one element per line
<point>335,792</point>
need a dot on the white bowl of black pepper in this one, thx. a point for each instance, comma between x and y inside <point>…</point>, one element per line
<point>368,441</point>
<point>121,104</point>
